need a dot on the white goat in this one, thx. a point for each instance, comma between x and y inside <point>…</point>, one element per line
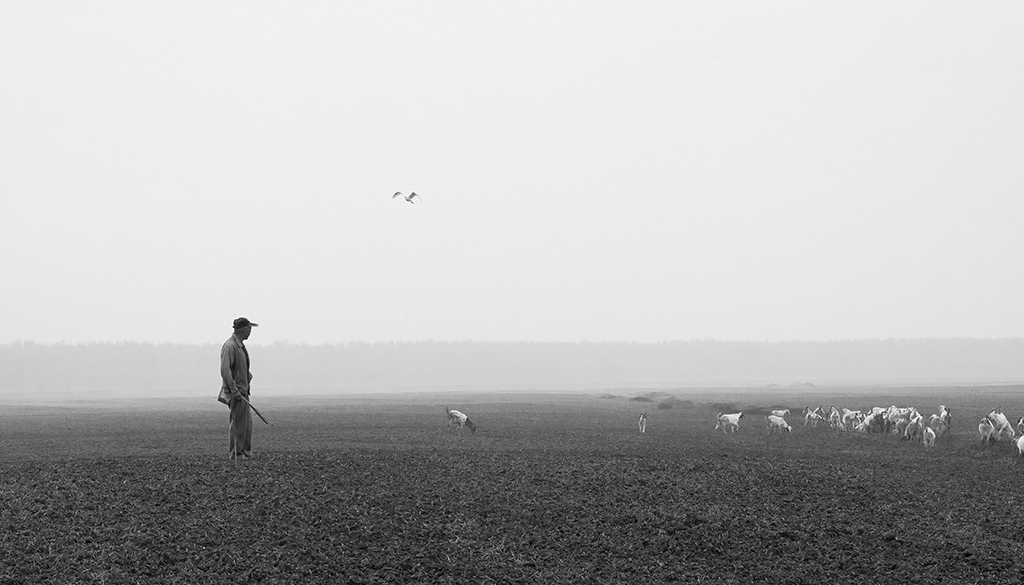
<point>894,415</point>
<point>458,420</point>
<point>987,430</point>
<point>938,426</point>
<point>851,418</point>
<point>874,422</point>
<point>780,413</point>
<point>929,437</point>
<point>835,420</point>
<point>1001,424</point>
<point>914,429</point>
<point>642,423</point>
<point>728,421</point>
<point>777,423</point>
<point>812,418</point>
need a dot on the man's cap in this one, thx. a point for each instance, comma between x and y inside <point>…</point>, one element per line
<point>242,322</point>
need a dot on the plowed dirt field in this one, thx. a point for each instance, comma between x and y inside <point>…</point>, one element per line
<point>551,489</point>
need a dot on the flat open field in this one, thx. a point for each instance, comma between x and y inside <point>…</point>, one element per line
<point>551,489</point>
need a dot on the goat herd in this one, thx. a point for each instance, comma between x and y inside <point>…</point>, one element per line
<point>908,423</point>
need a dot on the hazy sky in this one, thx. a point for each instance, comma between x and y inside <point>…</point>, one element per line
<point>589,170</point>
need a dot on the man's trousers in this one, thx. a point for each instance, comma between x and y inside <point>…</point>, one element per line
<point>240,429</point>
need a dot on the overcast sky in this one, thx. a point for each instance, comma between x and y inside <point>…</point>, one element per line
<point>588,170</point>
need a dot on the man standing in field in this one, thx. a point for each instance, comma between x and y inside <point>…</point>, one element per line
<point>234,371</point>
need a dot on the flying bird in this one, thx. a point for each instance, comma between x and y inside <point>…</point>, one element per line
<point>409,198</point>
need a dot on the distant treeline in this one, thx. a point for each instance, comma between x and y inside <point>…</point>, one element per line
<point>27,367</point>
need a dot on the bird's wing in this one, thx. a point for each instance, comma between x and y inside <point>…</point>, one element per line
<point>414,195</point>
<point>397,194</point>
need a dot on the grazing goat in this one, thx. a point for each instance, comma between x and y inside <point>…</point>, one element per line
<point>929,437</point>
<point>642,423</point>
<point>458,420</point>
<point>872,423</point>
<point>851,418</point>
<point>728,421</point>
<point>938,426</point>
<point>812,418</point>
<point>894,415</point>
<point>777,423</point>
<point>1001,424</point>
<point>914,428</point>
<point>987,430</point>
<point>946,415</point>
<point>834,419</point>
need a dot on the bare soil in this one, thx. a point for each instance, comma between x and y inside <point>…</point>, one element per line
<point>551,489</point>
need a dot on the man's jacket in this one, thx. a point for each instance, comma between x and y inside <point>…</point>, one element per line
<point>234,369</point>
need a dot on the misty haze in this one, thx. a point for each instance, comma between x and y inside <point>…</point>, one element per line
<point>552,292</point>
<point>51,371</point>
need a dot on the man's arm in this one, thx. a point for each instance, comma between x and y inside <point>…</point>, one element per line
<point>227,358</point>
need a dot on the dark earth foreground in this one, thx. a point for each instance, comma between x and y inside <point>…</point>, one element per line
<point>551,489</point>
